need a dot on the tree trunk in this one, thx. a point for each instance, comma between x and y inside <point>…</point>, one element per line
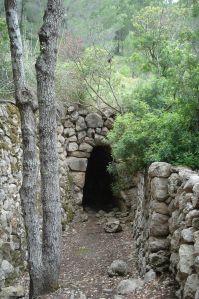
<point>45,69</point>
<point>26,105</point>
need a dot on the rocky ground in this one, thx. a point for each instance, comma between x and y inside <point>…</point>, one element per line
<point>88,252</point>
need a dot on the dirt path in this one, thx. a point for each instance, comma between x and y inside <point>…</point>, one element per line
<point>88,251</point>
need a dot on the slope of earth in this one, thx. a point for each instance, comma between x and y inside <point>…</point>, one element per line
<point>87,252</point>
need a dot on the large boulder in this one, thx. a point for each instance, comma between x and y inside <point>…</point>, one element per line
<point>118,267</point>
<point>159,226</point>
<point>128,286</point>
<point>159,169</point>
<point>159,188</point>
<point>77,164</point>
<point>94,120</point>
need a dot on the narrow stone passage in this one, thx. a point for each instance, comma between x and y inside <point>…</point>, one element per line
<point>97,192</point>
<point>87,253</point>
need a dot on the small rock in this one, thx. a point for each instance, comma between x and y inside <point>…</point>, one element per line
<point>118,267</point>
<point>113,226</point>
<point>12,292</point>
<point>150,275</point>
<point>84,217</point>
<point>129,286</point>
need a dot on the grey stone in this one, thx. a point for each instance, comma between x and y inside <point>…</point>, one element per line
<point>197,294</point>
<point>6,267</point>
<point>196,243</point>
<point>81,135</point>
<point>159,225</point>
<point>78,178</point>
<point>2,195</point>
<point>72,139</point>
<point>187,234</point>
<point>94,120</point>
<point>91,133</point>
<point>98,139</point>
<point>150,275</point>
<point>159,169</point>
<point>174,182</point>
<point>186,259</point>
<point>72,147</point>
<point>157,244</point>
<point>195,199</point>
<point>109,123</point>
<point>196,264</point>
<point>12,292</point>
<point>192,214</point>
<point>74,116</point>
<point>68,124</point>
<point>118,267</point>
<point>128,286</point>
<point>71,109</point>
<point>160,207</point>
<point>78,198</point>
<point>112,226</point>
<point>159,259</point>
<point>191,286</point>
<point>195,223</point>
<point>80,124</point>
<point>85,147</point>
<point>79,154</point>
<point>77,164</point>
<point>159,188</point>
<point>194,179</point>
<point>69,132</point>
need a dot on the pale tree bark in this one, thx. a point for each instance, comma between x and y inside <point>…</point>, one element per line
<point>26,105</point>
<point>44,255</point>
<point>45,71</point>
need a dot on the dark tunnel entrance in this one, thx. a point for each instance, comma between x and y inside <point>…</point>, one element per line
<point>97,193</point>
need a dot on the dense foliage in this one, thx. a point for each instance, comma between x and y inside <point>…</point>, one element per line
<point>138,57</point>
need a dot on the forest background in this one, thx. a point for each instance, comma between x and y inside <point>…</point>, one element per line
<point>138,57</point>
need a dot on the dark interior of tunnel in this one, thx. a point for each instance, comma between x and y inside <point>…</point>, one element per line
<point>97,193</point>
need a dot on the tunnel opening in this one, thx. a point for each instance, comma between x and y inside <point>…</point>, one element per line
<point>97,192</point>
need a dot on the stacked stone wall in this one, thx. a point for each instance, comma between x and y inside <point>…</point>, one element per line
<point>166,225</point>
<point>11,224</point>
<point>79,131</point>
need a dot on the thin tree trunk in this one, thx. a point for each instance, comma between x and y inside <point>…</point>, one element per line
<point>45,69</point>
<point>26,105</point>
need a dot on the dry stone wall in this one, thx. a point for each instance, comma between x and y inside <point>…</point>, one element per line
<point>11,225</point>
<point>164,203</point>
<point>78,132</point>
<point>166,225</point>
